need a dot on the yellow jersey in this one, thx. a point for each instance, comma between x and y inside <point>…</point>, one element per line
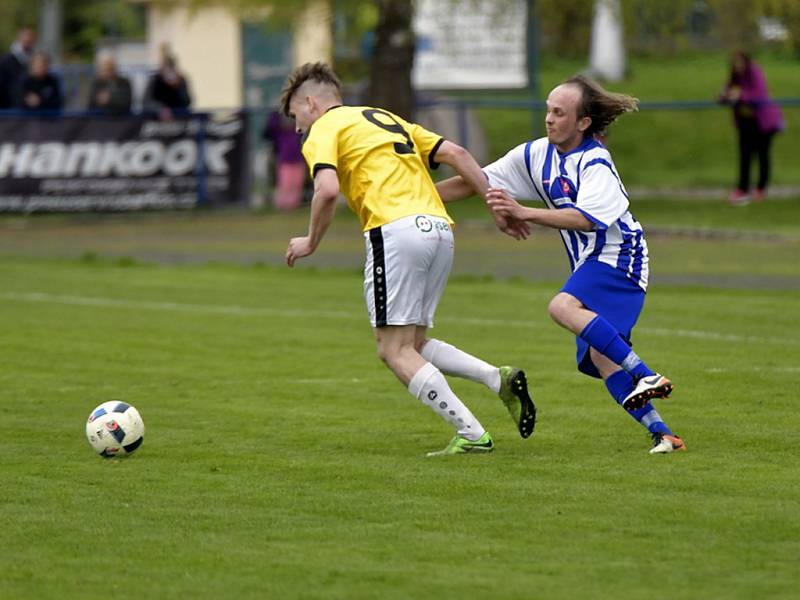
<point>381,161</point>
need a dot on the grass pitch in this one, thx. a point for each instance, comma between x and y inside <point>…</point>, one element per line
<point>282,460</point>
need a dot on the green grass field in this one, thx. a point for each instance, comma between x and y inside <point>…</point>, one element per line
<point>282,460</point>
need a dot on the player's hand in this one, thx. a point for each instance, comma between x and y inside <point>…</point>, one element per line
<point>521,230</point>
<point>504,205</point>
<point>298,248</point>
<point>515,228</point>
<point>508,213</point>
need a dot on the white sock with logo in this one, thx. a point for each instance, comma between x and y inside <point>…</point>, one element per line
<point>452,361</point>
<point>430,387</point>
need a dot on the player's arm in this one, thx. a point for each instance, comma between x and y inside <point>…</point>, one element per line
<point>472,178</point>
<point>454,188</point>
<point>565,218</point>
<point>323,207</point>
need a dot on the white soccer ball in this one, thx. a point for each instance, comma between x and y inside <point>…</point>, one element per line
<point>115,429</point>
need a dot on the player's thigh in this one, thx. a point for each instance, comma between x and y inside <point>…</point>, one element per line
<point>439,271</point>
<point>399,257</point>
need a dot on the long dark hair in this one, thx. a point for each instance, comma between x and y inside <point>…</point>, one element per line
<point>602,106</point>
<point>738,77</point>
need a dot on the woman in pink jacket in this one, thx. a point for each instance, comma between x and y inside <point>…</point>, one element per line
<point>757,120</point>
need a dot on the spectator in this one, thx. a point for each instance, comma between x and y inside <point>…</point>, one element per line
<point>757,120</point>
<point>14,67</point>
<point>290,168</point>
<point>168,91</point>
<point>110,93</point>
<point>41,90</point>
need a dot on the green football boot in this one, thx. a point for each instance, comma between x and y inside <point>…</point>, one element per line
<point>514,394</point>
<point>461,445</point>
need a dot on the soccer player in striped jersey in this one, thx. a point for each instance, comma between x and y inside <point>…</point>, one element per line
<point>572,173</point>
<point>380,162</point>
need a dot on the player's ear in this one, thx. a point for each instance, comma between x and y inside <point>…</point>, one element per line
<point>584,123</point>
<point>311,103</point>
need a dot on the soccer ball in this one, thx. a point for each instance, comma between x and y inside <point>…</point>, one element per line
<point>115,429</point>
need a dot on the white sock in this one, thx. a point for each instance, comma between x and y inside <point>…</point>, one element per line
<point>430,387</point>
<point>452,361</point>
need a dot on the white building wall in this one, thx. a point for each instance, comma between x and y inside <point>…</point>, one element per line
<point>313,38</point>
<point>207,45</point>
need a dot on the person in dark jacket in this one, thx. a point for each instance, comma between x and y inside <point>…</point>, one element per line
<point>168,91</point>
<point>14,68</point>
<point>41,90</point>
<point>110,92</point>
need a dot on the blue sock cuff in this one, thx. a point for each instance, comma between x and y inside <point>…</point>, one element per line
<point>604,338</point>
<point>619,385</point>
<point>649,417</point>
<point>659,427</point>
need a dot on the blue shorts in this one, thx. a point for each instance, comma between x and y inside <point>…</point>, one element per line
<point>608,292</point>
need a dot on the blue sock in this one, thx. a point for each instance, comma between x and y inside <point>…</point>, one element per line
<point>619,385</point>
<point>601,336</point>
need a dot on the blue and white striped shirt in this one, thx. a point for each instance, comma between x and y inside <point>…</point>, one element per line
<point>584,179</point>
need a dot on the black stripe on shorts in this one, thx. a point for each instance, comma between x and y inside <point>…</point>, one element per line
<point>378,276</point>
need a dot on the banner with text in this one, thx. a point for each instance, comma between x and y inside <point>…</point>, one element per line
<point>85,163</point>
<point>479,45</point>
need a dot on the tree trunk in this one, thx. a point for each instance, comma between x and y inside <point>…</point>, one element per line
<point>393,57</point>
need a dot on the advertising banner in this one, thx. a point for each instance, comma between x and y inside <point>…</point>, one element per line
<point>479,45</point>
<point>86,163</point>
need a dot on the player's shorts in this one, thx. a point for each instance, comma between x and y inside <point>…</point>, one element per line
<point>608,292</point>
<point>408,263</point>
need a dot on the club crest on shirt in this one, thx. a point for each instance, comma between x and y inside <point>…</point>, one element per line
<point>565,186</point>
<point>423,224</point>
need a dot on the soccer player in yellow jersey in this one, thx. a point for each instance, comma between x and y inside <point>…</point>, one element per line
<point>380,163</point>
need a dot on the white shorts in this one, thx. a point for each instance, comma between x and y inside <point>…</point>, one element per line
<point>408,262</point>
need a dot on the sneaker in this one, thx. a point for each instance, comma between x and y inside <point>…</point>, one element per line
<point>664,444</point>
<point>739,198</point>
<point>461,445</point>
<point>647,388</point>
<point>760,195</point>
<point>514,394</point>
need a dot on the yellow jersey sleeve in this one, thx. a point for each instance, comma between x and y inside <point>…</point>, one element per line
<point>321,147</point>
<point>427,142</point>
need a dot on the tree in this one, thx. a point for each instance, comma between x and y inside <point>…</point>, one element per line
<point>86,23</point>
<point>392,59</point>
<point>789,12</point>
<point>389,83</point>
<point>15,14</point>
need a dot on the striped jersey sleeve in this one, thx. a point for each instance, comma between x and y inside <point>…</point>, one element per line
<point>511,173</point>
<point>601,196</point>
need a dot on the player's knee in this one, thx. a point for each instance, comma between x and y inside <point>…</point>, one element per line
<point>388,353</point>
<point>558,308</point>
<point>384,353</point>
